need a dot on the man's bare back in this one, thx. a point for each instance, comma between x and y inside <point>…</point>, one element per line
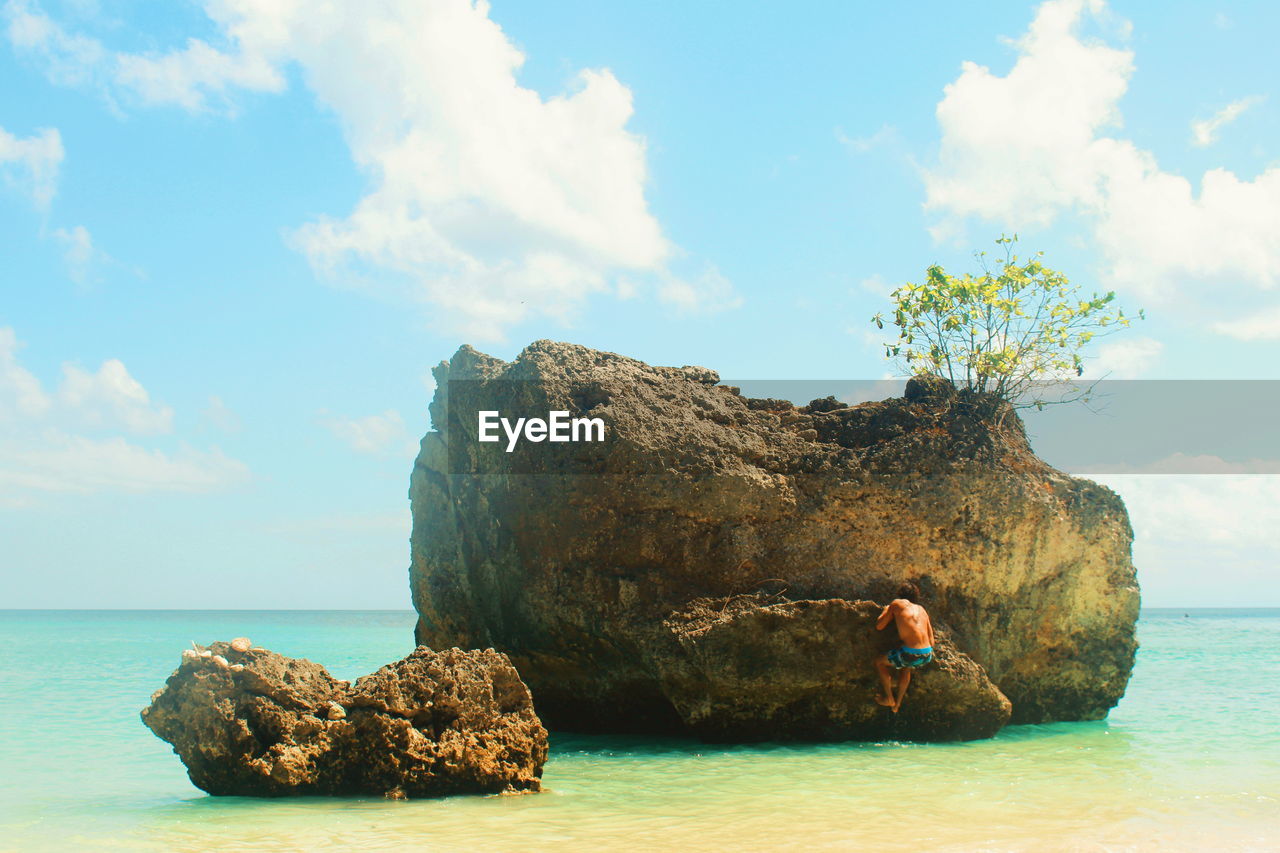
<point>915,629</point>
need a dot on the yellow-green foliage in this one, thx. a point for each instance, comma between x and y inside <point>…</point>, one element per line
<point>1016,331</point>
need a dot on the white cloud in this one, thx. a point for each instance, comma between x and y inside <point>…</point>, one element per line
<point>489,202</point>
<point>32,163</point>
<point>371,433</point>
<point>1257,326</point>
<point>67,59</point>
<point>187,78</point>
<point>882,389</point>
<point>190,78</point>
<point>55,461</point>
<point>1193,528</point>
<point>494,203</point>
<point>1239,510</point>
<point>877,286</point>
<point>43,448</point>
<point>709,293</point>
<point>21,394</point>
<point>218,415</point>
<point>1185,463</point>
<point>626,289</point>
<point>862,144</point>
<point>1022,148</point>
<point>1204,132</point>
<point>78,252</point>
<point>1126,359</point>
<point>111,398</point>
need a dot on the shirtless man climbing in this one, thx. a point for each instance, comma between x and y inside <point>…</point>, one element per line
<point>916,632</point>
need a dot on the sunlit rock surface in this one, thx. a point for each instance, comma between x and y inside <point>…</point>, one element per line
<point>255,723</point>
<point>592,565</point>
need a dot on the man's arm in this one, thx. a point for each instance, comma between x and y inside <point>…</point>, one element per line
<point>931,640</point>
<point>886,616</point>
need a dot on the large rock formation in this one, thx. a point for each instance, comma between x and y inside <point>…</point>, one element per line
<point>251,722</point>
<point>598,566</point>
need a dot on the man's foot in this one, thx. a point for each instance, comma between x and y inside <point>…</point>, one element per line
<point>888,703</point>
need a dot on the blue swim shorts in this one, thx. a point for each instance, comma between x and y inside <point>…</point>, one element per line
<point>905,657</point>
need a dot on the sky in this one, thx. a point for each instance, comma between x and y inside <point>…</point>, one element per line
<point>237,234</point>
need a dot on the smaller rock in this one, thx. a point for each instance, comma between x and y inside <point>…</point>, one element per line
<point>433,724</point>
<point>700,374</point>
<point>396,794</point>
<point>925,388</point>
<point>750,667</point>
<point>768,404</point>
<point>825,404</point>
<point>190,654</point>
<point>205,653</point>
<point>241,645</point>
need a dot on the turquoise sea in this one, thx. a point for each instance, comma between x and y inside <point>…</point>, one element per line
<point>1189,760</point>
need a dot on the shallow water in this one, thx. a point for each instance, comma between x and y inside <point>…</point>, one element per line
<point>1189,760</point>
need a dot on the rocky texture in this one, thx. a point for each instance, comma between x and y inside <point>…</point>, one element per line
<point>252,722</point>
<point>594,566</point>
<point>748,669</point>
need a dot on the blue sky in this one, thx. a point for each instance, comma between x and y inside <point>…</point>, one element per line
<point>237,235</point>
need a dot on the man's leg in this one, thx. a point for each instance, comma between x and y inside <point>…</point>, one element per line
<point>886,680</point>
<point>904,678</point>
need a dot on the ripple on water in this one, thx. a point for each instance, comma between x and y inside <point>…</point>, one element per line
<point>1181,763</point>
